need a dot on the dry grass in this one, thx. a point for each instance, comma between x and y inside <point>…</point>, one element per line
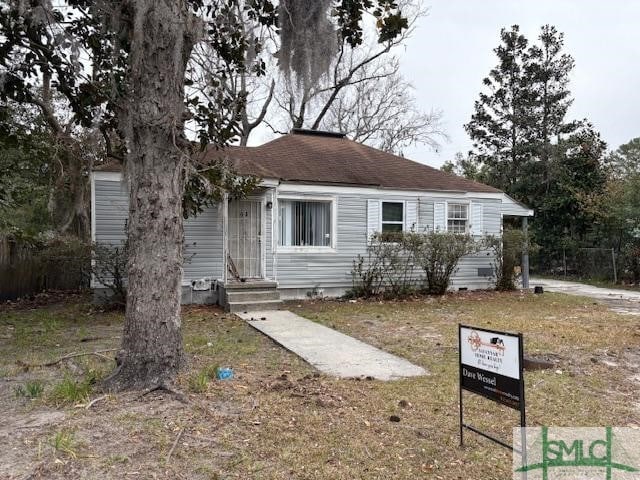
<point>277,419</point>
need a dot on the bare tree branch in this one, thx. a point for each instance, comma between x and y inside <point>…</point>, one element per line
<point>385,116</point>
<point>265,106</point>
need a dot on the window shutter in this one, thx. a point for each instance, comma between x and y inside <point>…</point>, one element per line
<point>373,217</point>
<point>476,219</point>
<point>440,217</point>
<point>411,215</point>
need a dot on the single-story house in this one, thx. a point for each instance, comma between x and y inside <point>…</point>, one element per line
<point>320,199</point>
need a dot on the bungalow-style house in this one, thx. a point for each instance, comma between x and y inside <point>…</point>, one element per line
<point>320,199</point>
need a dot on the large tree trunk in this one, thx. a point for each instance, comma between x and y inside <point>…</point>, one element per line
<point>161,36</point>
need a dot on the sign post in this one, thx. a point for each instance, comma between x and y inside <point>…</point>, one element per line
<point>491,365</point>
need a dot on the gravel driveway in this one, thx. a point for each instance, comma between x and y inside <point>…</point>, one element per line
<point>621,301</point>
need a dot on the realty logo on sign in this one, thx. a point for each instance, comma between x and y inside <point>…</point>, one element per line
<point>475,340</point>
<point>577,453</point>
<point>488,352</point>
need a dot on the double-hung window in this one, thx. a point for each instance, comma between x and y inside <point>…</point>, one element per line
<point>305,223</point>
<point>392,216</point>
<point>457,217</point>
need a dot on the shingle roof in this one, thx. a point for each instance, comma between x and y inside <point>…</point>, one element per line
<point>327,158</point>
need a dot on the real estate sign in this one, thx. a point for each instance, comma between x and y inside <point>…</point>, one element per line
<point>491,364</point>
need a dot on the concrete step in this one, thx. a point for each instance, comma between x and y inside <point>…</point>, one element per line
<point>250,285</point>
<point>237,296</point>
<point>241,307</point>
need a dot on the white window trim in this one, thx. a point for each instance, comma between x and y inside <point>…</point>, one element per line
<point>307,248</point>
<point>404,214</point>
<point>446,214</point>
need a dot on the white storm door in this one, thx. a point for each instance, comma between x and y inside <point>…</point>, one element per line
<point>245,237</point>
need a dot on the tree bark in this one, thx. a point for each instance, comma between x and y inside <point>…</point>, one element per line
<point>161,35</point>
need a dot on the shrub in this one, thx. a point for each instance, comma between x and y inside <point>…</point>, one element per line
<point>438,253</point>
<point>366,276</point>
<point>110,269</point>
<point>398,255</point>
<point>507,251</point>
<point>388,267</point>
<point>392,259</point>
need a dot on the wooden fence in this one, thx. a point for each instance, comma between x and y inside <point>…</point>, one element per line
<point>27,271</point>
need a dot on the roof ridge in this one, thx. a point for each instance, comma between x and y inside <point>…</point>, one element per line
<point>317,133</point>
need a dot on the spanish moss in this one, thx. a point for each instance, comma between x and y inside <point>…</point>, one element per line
<point>308,40</point>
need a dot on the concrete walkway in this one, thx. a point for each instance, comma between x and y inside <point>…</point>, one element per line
<point>621,301</point>
<point>330,351</point>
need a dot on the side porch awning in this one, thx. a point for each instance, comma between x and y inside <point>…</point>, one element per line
<point>513,208</point>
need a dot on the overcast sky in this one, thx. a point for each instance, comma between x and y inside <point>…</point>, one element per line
<point>452,51</point>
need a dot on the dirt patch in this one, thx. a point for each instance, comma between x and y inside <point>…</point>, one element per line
<point>46,299</point>
<point>540,362</point>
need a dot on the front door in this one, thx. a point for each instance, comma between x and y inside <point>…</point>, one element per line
<point>245,238</point>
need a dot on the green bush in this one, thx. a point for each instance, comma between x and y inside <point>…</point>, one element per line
<point>110,269</point>
<point>388,267</point>
<point>438,253</point>
<point>366,276</point>
<point>393,258</point>
<point>507,252</point>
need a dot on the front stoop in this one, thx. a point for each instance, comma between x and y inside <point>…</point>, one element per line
<point>251,296</point>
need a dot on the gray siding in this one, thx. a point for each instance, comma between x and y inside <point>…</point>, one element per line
<point>425,214</point>
<point>203,238</point>
<point>268,235</point>
<point>492,218</point>
<point>466,275</point>
<point>111,211</point>
<point>203,234</point>
<point>297,270</point>
<point>329,269</point>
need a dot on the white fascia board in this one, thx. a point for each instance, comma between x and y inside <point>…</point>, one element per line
<point>293,188</point>
<point>117,176</point>
<point>269,182</point>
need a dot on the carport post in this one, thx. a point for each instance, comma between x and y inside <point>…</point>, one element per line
<point>525,253</point>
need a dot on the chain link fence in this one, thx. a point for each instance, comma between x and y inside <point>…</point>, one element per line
<point>579,263</point>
